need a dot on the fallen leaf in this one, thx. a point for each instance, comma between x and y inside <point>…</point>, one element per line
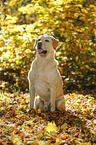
<point>94,121</point>
<point>64,136</point>
<point>51,127</point>
<point>64,126</point>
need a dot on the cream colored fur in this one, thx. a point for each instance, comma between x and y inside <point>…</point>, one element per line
<point>44,77</point>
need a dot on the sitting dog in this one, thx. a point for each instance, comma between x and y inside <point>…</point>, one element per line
<point>44,77</point>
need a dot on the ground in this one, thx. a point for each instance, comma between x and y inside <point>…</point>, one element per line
<point>19,126</point>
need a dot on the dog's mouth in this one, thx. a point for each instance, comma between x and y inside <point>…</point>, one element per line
<point>42,51</point>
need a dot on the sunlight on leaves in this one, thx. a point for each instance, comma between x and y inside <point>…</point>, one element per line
<point>16,140</point>
<point>51,127</point>
<point>76,125</point>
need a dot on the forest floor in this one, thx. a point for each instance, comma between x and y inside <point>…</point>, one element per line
<point>19,126</point>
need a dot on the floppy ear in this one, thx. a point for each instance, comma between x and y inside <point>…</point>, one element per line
<point>55,42</point>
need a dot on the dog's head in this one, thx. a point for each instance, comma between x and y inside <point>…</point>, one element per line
<point>45,43</point>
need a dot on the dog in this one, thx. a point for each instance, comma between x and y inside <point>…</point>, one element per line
<point>44,77</point>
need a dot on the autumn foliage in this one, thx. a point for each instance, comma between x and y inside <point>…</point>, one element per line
<point>72,22</point>
<point>19,126</point>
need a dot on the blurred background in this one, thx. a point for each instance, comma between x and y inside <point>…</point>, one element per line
<point>70,21</point>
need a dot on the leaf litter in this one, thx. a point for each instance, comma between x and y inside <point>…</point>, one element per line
<point>21,126</point>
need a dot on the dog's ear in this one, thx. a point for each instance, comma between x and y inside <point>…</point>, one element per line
<point>55,42</point>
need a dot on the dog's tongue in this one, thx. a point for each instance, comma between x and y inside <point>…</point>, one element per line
<point>40,50</point>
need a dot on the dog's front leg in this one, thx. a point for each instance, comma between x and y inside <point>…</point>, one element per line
<point>32,95</point>
<point>53,97</point>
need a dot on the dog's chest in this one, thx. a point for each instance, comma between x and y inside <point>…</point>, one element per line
<point>40,73</point>
<point>41,84</point>
<point>40,77</point>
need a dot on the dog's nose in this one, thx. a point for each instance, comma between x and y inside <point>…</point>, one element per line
<point>39,45</point>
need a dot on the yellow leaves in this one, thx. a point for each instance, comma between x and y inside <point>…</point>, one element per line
<point>20,127</point>
<point>2,122</point>
<point>94,121</point>
<point>27,10</point>
<point>26,127</point>
<point>30,27</point>
<point>79,5</point>
<point>23,71</point>
<point>12,2</point>
<point>58,2</point>
<point>80,102</point>
<point>58,54</point>
<point>73,23</point>
<point>16,140</point>
<point>76,15</point>
<point>31,8</point>
<point>11,20</point>
<point>6,54</point>
<point>71,19</point>
<point>51,127</point>
<point>87,143</point>
<point>58,141</point>
<point>82,17</point>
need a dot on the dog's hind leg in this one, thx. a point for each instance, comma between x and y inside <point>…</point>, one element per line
<point>61,105</point>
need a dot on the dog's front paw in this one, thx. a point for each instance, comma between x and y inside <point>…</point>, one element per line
<point>30,108</point>
<point>52,109</point>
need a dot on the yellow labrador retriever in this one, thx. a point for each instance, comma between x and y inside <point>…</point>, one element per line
<point>44,77</point>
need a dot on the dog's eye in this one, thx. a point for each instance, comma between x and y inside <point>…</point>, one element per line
<point>39,39</point>
<point>46,40</point>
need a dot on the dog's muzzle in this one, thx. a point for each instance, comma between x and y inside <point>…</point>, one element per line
<point>40,50</point>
